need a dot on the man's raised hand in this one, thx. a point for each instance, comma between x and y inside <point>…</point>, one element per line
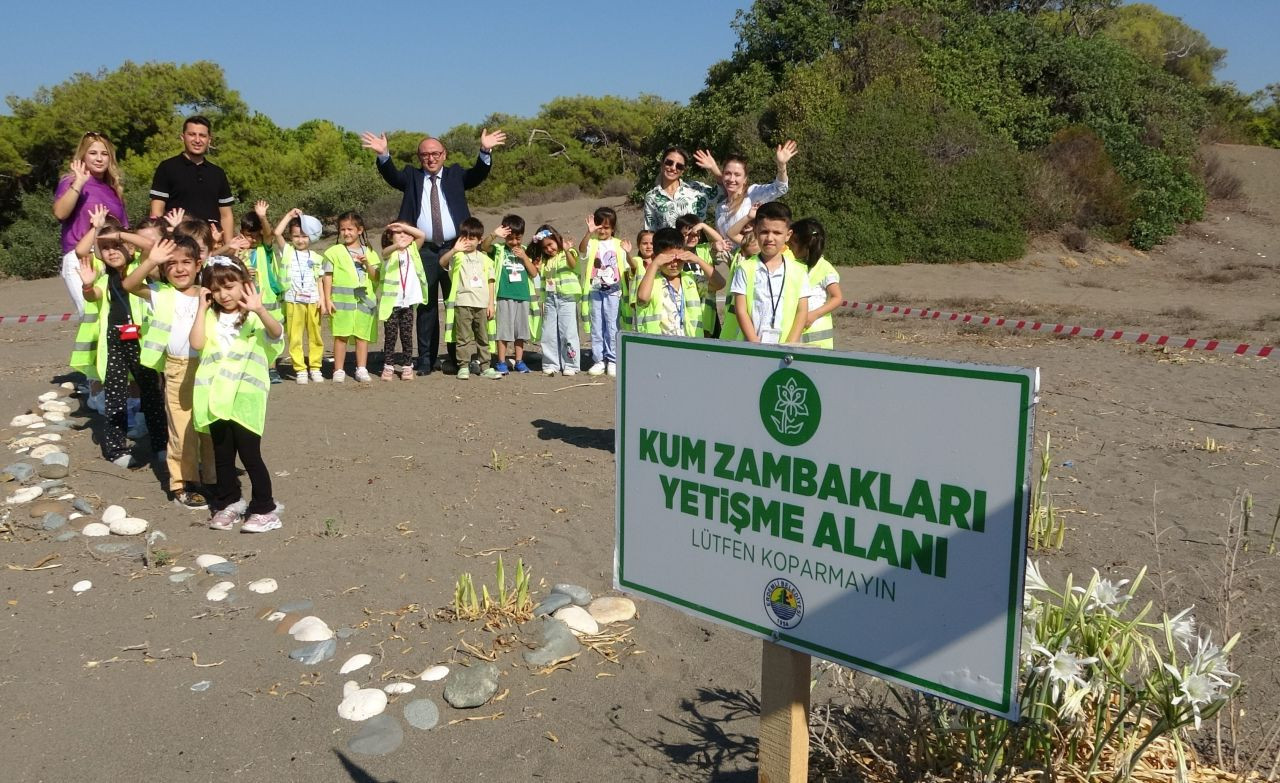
<point>376,143</point>
<point>489,140</point>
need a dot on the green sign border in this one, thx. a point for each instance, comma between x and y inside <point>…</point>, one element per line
<point>1007,705</point>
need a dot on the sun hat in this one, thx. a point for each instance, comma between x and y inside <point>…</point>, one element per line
<point>312,227</point>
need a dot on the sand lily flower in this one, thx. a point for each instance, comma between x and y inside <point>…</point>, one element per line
<point>1064,669</point>
<point>1182,627</point>
<point>1104,594</point>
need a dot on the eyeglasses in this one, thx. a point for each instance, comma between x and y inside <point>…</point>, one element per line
<point>673,164</point>
<point>87,134</point>
<point>431,154</point>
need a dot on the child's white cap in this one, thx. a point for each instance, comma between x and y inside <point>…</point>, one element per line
<point>312,227</point>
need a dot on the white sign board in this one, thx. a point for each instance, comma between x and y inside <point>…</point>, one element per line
<point>869,510</point>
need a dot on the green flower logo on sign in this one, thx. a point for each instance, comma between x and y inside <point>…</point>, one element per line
<point>790,407</point>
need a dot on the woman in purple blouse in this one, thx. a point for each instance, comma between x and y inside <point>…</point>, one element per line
<point>94,180</point>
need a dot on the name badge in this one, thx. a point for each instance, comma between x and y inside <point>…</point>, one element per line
<point>769,334</point>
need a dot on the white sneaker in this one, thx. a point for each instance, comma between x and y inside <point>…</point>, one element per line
<point>596,369</point>
<point>362,375</point>
<point>570,371</point>
<point>339,376</point>
<point>302,377</point>
<point>548,371</point>
<point>611,370</point>
<point>316,376</point>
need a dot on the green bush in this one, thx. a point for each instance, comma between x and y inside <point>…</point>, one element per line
<point>29,246</point>
<point>897,174</point>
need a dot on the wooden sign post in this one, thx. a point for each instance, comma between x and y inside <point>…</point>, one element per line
<point>784,715</point>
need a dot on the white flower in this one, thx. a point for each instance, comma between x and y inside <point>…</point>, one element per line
<point>1182,627</point>
<point>1210,660</point>
<point>1034,581</point>
<point>1195,690</point>
<point>1064,668</point>
<point>1104,594</point>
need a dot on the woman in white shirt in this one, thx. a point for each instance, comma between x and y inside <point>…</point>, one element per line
<point>739,196</point>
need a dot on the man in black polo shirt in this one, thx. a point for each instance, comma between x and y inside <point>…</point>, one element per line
<point>190,182</point>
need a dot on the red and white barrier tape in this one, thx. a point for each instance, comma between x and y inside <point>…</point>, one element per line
<point>36,319</point>
<point>1019,324</point>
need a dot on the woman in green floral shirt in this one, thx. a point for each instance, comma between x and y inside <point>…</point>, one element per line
<point>672,197</point>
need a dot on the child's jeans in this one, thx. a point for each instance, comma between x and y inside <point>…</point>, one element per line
<point>604,323</point>
<point>560,332</point>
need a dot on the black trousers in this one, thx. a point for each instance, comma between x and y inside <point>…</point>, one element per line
<point>428,315</point>
<point>398,325</point>
<point>229,440</point>
<point>122,361</point>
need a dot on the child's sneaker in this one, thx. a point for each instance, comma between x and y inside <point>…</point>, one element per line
<point>548,371</point>
<point>224,519</point>
<point>301,377</point>
<point>570,371</point>
<point>464,373</point>
<point>274,375</point>
<point>339,376</point>
<point>521,367</point>
<point>502,368</point>
<point>611,369</point>
<point>362,375</point>
<point>491,373</point>
<point>406,372</point>
<point>190,499</point>
<point>127,461</point>
<point>261,523</point>
<point>388,372</point>
<point>596,369</point>
<point>317,376</point>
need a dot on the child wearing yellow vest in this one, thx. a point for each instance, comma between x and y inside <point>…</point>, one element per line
<point>471,304</point>
<point>631,277</point>
<point>769,291</point>
<point>404,286</point>
<point>561,294</point>
<point>517,295</point>
<point>668,298</point>
<point>238,339</point>
<point>108,338</point>
<point>808,239</point>
<point>349,284</point>
<point>263,264</point>
<point>605,258</point>
<point>166,348</point>
<point>301,269</point>
<point>706,242</point>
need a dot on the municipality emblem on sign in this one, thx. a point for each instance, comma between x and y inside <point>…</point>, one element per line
<point>783,603</point>
<point>790,407</point>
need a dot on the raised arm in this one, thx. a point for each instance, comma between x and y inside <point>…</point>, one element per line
<point>484,161</point>
<point>418,236</point>
<point>283,226</point>
<point>97,217</point>
<point>197,326</point>
<point>64,206</point>
<point>644,292</point>
<point>260,208</point>
<point>386,167</point>
<point>136,281</point>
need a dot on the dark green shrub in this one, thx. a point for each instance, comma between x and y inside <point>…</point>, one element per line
<point>29,245</point>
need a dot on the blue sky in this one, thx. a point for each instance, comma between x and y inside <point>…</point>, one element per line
<point>432,65</point>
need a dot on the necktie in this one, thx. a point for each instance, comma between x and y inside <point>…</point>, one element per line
<point>437,223</point>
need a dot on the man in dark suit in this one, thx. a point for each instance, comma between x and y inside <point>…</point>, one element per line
<point>435,200</point>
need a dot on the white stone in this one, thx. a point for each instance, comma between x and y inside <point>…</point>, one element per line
<point>363,704</point>
<point>114,513</point>
<point>44,450</point>
<point>55,406</point>
<point>358,661</point>
<point>204,561</point>
<point>24,495</point>
<point>349,687</point>
<point>25,420</point>
<point>611,609</point>
<point>434,673</point>
<point>49,395</point>
<point>95,529</point>
<point>263,586</point>
<point>51,437</point>
<point>68,496</point>
<point>129,526</point>
<point>68,385</point>
<point>399,687</point>
<point>276,616</point>
<point>177,569</point>
<point>27,442</point>
<point>39,425</point>
<point>81,586</point>
<point>75,515</point>
<point>219,591</point>
<point>311,629</point>
<point>578,620</point>
<point>55,416</point>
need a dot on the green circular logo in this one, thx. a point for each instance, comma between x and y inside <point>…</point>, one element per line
<point>790,407</point>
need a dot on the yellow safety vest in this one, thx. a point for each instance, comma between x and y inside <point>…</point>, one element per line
<point>649,314</point>
<point>796,277</point>
<point>391,280</point>
<point>822,332</point>
<point>349,293</point>
<point>455,278</point>
<point>155,338</point>
<point>232,384</point>
<point>89,352</point>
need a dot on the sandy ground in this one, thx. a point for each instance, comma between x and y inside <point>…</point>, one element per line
<point>393,490</point>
